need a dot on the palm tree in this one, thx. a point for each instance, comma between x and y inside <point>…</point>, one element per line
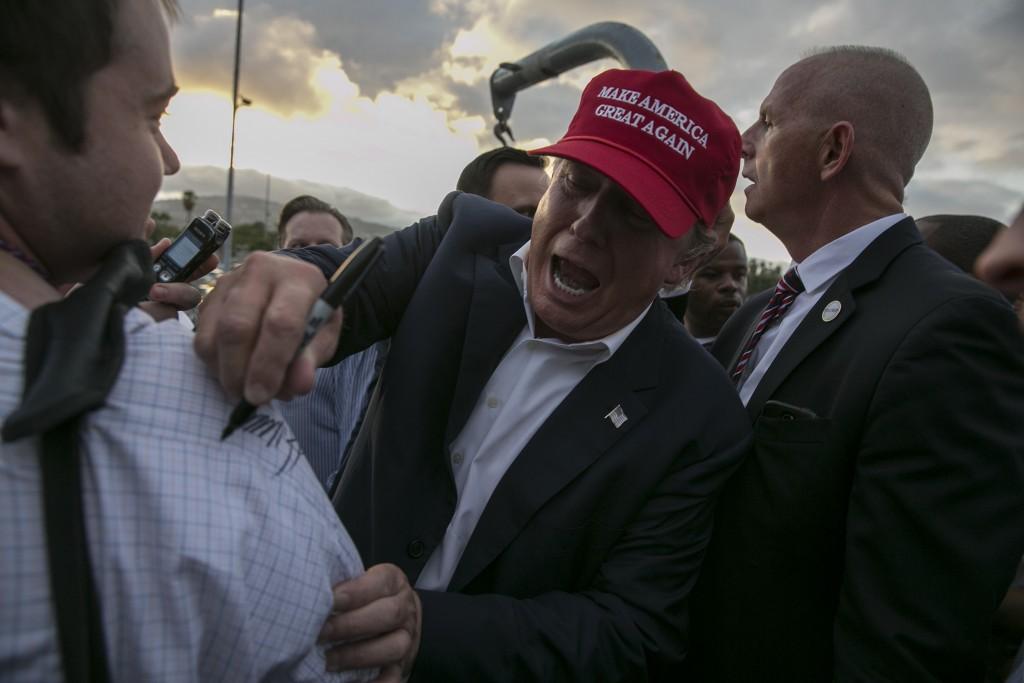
<point>188,199</point>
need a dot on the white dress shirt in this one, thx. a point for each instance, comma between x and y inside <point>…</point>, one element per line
<point>532,379</point>
<point>213,560</point>
<point>818,271</point>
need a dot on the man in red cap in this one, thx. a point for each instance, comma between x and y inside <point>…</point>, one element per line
<point>543,451</point>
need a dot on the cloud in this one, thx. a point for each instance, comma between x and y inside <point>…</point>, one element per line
<point>400,149</point>
<point>1009,159</point>
<point>385,41</point>
<point>280,60</point>
<point>1007,22</point>
<point>825,18</point>
<point>380,43</point>
<point>393,84</point>
<point>963,196</point>
<point>512,30</point>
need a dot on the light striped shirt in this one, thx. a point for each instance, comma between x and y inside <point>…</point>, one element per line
<point>326,419</point>
<point>213,561</point>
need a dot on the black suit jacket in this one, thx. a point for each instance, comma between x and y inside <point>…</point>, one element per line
<point>875,529</point>
<point>583,561</point>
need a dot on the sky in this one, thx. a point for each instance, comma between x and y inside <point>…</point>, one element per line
<point>391,97</point>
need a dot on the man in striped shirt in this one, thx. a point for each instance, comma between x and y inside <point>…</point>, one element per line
<point>326,419</point>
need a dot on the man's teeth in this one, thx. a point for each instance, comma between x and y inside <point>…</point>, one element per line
<point>568,285</point>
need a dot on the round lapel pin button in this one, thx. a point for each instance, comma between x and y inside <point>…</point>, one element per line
<point>831,311</point>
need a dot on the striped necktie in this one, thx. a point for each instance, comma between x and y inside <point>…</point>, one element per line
<point>785,292</point>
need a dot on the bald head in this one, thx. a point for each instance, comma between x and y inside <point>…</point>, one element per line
<point>885,99</point>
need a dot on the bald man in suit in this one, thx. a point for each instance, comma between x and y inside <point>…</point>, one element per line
<point>876,526</point>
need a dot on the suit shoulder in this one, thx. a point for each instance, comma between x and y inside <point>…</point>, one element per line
<point>922,273</point>
<point>480,224</point>
<point>980,312</point>
<point>922,288</point>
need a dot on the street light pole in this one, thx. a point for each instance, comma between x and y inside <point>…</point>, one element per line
<point>266,206</point>
<point>225,257</point>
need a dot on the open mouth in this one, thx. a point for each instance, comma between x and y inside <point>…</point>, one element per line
<point>571,278</point>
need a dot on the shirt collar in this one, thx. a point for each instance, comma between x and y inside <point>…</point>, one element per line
<point>821,267</point>
<point>610,344</point>
<point>14,317</point>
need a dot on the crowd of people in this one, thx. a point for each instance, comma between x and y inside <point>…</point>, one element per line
<point>549,437</point>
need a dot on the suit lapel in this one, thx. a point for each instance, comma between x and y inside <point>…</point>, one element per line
<point>495,317</point>
<point>811,333</point>
<point>815,329</point>
<point>574,436</point>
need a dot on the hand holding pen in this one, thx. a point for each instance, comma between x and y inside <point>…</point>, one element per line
<point>344,281</point>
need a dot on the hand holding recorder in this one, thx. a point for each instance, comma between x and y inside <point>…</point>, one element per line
<point>189,257</point>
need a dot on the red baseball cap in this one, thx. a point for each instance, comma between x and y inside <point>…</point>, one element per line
<point>675,152</point>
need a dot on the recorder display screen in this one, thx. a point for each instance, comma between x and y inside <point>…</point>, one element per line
<point>180,253</point>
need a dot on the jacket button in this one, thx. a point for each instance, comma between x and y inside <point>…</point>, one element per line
<point>415,548</point>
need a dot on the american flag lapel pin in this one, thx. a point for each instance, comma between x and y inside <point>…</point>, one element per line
<point>617,416</point>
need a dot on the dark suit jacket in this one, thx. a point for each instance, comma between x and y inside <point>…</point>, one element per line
<point>878,524</point>
<point>583,561</point>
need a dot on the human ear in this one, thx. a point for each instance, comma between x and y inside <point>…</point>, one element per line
<point>835,150</point>
<point>677,273</point>
<point>699,246</point>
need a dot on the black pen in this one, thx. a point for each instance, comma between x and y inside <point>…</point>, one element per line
<point>346,278</point>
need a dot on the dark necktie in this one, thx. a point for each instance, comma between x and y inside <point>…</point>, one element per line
<point>74,349</point>
<point>785,292</point>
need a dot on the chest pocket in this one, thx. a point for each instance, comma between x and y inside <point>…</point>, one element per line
<point>788,423</point>
<point>801,469</point>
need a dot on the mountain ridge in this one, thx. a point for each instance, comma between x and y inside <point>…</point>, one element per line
<point>369,215</point>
